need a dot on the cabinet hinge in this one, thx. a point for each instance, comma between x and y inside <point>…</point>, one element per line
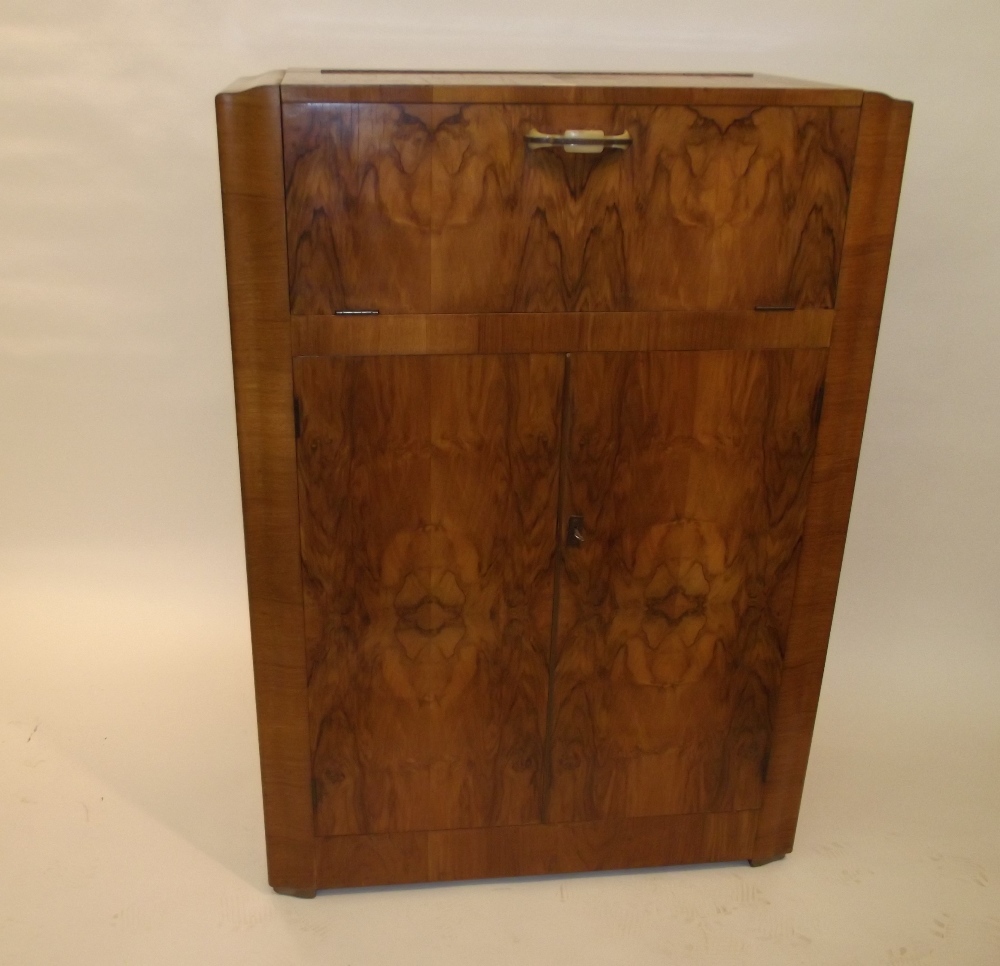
<point>297,416</point>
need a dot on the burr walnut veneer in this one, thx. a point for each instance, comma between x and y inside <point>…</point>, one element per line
<point>550,391</point>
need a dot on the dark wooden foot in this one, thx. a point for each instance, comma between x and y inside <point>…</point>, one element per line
<point>295,893</point>
<point>756,863</point>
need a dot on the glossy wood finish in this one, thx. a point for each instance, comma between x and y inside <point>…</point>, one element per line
<point>428,491</point>
<point>471,87</point>
<point>558,332</point>
<point>459,216</point>
<point>358,198</point>
<point>466,352</point>
<point>690,471</point>
<point>249,123</point>
<point>882,139</point>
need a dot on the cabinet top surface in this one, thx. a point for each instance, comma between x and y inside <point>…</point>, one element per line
<point>572,88</point>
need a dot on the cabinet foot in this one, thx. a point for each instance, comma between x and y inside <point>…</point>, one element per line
<point>295,893</point>
<point>756,863</point>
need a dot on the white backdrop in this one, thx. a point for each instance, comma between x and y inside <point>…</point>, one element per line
<point>124,649</point>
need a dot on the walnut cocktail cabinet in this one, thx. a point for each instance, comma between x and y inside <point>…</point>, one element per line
<point>549,393</point>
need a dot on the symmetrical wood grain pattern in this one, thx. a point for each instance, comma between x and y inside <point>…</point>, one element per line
<point>442,690</point>
<point>428,492</point>
<point>882,138</point>
<point>442,208</point>
<point>249,123</point>
<point>514,850</point>
<point>521,332</point>
<point>691,473</point>
<point>482,87</point>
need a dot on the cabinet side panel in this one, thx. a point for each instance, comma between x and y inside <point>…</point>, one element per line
<point>878,172</point>
<point>249,128</point>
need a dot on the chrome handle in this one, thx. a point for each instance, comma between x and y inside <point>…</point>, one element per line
<point>578,142</point>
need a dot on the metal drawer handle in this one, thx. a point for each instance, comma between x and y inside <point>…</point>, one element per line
<point>578,142</point>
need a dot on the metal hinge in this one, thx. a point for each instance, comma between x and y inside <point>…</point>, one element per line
<point>355,312</point>
<point>297,416</point>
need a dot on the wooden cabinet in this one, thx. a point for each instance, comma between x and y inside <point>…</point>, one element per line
<point>550,391</point>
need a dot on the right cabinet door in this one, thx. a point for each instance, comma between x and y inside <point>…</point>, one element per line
<point>690,472</point>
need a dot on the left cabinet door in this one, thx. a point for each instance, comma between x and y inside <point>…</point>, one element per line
<point>428,490</point>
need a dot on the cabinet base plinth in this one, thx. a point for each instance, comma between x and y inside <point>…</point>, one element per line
<point>766,860</point>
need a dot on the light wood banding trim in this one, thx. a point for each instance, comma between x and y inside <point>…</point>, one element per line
<point>878,172</point>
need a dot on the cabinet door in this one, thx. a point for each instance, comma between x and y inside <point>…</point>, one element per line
<point>690,471</point>
<point>428,494</point>
<point>708,208</point>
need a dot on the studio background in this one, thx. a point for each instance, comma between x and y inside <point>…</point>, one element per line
<point>130,818</point>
